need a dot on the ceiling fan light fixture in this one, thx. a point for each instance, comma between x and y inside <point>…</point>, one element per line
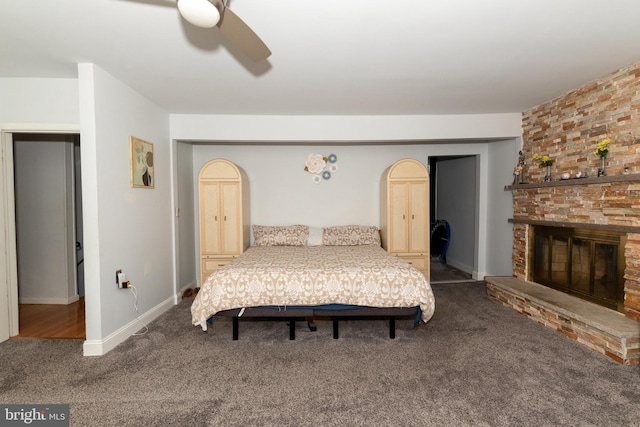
<point>201,13</point>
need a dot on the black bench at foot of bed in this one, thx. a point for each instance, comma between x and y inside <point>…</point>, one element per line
<point>292,315</point>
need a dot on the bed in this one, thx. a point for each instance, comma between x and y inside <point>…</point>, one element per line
<point>297,272</point>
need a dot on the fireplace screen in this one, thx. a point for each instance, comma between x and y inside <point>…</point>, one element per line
<point>586,263</point>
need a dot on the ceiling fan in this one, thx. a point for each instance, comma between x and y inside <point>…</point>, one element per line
<point>210,13</point>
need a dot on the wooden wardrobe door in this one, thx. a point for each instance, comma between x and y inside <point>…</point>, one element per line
<point>418,221</point>
<point>231,218</point>
<point>209,217</point>
<point>398,231</point>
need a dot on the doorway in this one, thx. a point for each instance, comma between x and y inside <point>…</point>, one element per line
<point>49,244</point>
<point>454,200</point>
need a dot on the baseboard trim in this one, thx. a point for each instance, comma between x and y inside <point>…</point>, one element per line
<point>178,296</point>
<point>459,265</point>
<point>102,347</point>
<point>478,275</point>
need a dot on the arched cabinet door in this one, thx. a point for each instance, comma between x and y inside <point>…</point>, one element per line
<point>404,212</point>
<point>223,200</point>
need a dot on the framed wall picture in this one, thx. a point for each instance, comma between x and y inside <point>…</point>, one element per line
<point>142,172</point>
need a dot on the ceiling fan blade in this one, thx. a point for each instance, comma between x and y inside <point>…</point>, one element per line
<point>166,3</point>
<point>242,36</point>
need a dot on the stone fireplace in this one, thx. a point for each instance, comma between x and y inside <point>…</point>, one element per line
<point>576,252</point>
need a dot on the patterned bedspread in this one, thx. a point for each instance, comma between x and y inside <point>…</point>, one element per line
<point>313,275</point>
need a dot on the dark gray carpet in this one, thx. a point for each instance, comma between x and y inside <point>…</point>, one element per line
<point>475,364</point>
<point>441,272</point>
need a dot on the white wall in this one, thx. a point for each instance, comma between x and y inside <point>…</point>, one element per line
<point>281,192</point>
<point>502,158</point>
<point>125,228</point>
<point>40,101</point>
<point>367,129</point>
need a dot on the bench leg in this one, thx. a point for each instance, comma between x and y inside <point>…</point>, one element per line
<point>235,328</point>
<point>392,327</point>
<point>292,329</point>
<point>335,328</point>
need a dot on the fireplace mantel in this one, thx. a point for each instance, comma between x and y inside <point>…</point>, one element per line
<point>606,227</point>
<point>575,181</point>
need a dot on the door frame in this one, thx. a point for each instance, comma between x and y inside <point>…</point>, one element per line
<point>9,325</point>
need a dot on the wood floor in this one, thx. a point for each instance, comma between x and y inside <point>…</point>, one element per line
<point>52,321</point>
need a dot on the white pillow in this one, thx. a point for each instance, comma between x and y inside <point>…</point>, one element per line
<point>315,236</point>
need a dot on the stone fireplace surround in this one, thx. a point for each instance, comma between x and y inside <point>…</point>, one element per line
<point>567,129</point>
<point>596,203</point>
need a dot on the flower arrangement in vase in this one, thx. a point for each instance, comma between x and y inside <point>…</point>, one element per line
<point>544,160</point>
<point>602,149</point>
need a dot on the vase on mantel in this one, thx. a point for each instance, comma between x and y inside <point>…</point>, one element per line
<point>601,169</point>
<point>547,177</point>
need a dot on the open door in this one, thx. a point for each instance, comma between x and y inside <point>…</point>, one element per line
<point>8,268</point>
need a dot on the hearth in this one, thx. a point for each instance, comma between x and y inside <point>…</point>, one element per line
<point>586,263</point>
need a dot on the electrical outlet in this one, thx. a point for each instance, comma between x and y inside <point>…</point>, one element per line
<point>121,280</point>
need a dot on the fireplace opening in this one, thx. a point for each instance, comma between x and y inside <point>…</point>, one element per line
<point>586,263</point>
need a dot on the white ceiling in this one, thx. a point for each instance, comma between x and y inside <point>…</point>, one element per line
<point>330,57</point>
